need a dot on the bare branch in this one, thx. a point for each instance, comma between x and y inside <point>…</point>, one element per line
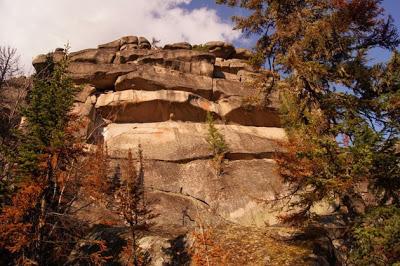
<point>9,64</point>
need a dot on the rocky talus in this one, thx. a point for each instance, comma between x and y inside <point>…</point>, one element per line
<point>134,94</point>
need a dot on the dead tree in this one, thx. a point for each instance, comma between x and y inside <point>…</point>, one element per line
<point>9,64</point>
<point>133,205</point>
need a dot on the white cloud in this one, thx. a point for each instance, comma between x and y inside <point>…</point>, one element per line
<point>39,26</point>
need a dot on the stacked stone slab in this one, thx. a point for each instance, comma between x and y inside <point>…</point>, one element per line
<point>134,94</point>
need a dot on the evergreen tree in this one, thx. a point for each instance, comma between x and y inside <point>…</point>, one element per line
<point>47,116</point>
<point>217,144</point>
<point>341,112</point>
<point>33,223</point>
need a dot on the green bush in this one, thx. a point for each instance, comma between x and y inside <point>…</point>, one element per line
<point>200,48</point>
<point>377,238</point>
<point>217,144</point>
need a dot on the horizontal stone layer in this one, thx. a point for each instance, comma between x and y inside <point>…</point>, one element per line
<point>233,65</point>
<point>174,141</point>
<point>96,56</point>
<point>151,78</point>
<point>153,106</point>
<point>187,61</point>
<point>101,76</point>
<point>137,106</point>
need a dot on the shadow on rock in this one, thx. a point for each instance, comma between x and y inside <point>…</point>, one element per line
<point>112,237</point>
<point>178,251</point>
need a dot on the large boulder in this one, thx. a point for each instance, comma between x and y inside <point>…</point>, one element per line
<point>117,44</point>
<point>129,40</point>
<point>147,77</point>
<point>40,61</point>
<point>178,46</point>
<point>101,76</point>
<point>221,49</point>
<point>96,56</point>
<point>144,43</point>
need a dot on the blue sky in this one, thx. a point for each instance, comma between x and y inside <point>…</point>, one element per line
<point>392,7</point>
<point>39,26</point>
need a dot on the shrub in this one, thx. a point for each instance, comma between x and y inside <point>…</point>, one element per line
<point>217,143</point>
<point>377,237</point>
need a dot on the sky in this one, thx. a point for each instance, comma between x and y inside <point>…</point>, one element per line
<point>39,26</point>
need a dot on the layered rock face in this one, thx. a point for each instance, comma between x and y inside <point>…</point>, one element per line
<point>134,94</point>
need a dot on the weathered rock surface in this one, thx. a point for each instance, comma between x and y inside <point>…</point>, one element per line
<point>84,93</point>
<point>134,94</point>
<point>198,181</point>
<point>173,141</point>
<point>142,43</point>
<point>96,56</point>
<point>186,61</point>
<point>128,55</point>
<point>101,76</point>
<point>220,49</point>
<point>235,110</point>
<point>232,65</point>
<point>138,106</point>
<point>151,78</point>
<point>242,53</point>
<point>154,106</point>
<point>40,61</point>
<point>179,45</point>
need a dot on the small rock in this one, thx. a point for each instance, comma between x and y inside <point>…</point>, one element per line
<point>179,45</point>
<point>129,40</point>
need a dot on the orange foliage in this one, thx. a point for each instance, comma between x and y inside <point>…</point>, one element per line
<point>206,250</point>
<point>95,168</point>
<point>97,258</point>
<point>15,231</point>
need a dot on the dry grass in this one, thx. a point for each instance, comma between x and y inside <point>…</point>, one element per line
<point>251,246</point>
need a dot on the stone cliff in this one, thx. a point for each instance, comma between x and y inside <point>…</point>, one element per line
<point>133,93</point>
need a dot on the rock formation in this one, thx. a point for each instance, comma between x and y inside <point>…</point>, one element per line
<point>159,98</point>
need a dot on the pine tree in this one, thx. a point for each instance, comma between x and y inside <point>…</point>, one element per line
<point>217,144</point>
<point>341,112</point>
<point>36,227</point>
<point>47,116</point>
